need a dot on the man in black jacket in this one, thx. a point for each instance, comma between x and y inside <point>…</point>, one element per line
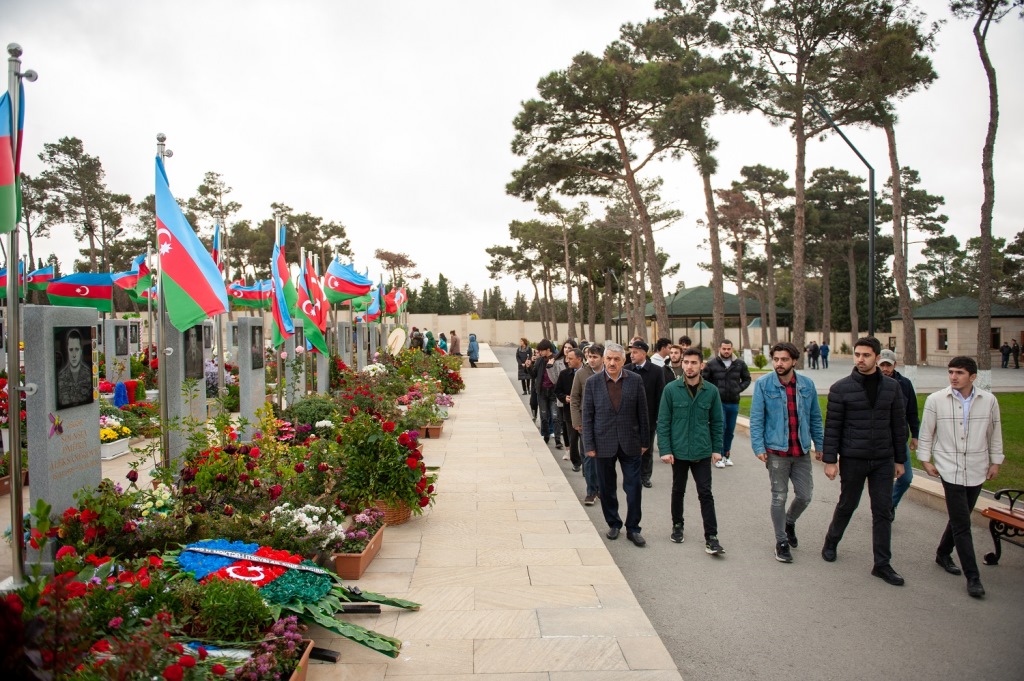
<point>731,376</point>
<point>563,392</point>
<point>654,384</point>
<point>866,432</point>
<point>887,363</point>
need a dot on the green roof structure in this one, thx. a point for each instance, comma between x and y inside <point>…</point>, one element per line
<point>960,308</point>
<point>697,303</point>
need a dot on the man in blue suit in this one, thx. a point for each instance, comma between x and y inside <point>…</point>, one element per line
<point>616,428</point>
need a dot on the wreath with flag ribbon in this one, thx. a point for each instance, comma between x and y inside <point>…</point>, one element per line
<point>289,582</point>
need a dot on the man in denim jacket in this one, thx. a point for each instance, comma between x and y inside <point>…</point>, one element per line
<point>785,424</point>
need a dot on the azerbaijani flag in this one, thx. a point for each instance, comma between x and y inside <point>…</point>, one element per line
<point>215,251</point>
<point>10,162</point>
<point>144,282</point>
<point>21,280</point>
<point>395,301</point>
<point>373,311</point>
<point>38,280</point>
<point>342,282</point>
<point>283,297</point>
<point>130,279</point>
<point>256,296</point>
<point>84,289</point>
<point>313,307</point>
<point>193,287</point>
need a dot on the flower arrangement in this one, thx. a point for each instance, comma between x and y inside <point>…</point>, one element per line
<point>364,526</point>
<point>112,429</point>
<point>106,387</point>
<point>444,400</point>
<point>277,655</point>
<point>322,525</point>
<point>375,369</point>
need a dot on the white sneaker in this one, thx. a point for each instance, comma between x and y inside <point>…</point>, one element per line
<point>720,463</point>
<point>565,457</point>
<point>728,462</point>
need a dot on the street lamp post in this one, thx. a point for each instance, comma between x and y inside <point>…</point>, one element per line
<point>821,111</point>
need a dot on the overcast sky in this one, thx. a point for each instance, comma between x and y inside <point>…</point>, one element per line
<point>395,118</point>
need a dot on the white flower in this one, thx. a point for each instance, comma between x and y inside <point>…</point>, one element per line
<point>323,424</point>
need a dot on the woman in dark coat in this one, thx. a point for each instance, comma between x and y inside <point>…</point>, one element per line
<point>523,353</point>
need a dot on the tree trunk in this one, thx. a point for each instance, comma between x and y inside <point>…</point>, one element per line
<point>540,308</point>
<point>769,263</point>
<point>552,309</point>
<point>591,306</point>
<point>899,266</point>
<point>744,332</point>
<point>639,316</point>
<point>799,235</point>
<point>570,313</point>
<point>608,306</point>
<point>988,203</point>
<point>826,301</point>
<point>851,271</point>
<point>660,310</point>
<point>717,285</point>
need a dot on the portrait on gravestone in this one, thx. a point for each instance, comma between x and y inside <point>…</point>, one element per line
<point>193,360</point>
<point>234,336</point>
<point>99,335</point>
<point>3,337</point>
<point>207,336</point>
<point>72,364</point>
<point>121,341</point>
<point>300,340</point>
<point>133,334</point>
<point>257,347</point>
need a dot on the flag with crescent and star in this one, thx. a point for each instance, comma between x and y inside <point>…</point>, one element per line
<point>3,280</point>
<point>193,288</point>
<point>283,296</point>
<point>10,162</point>
<point>395,301</point>
<point>84,289</point>
<point>313,308</point>
<point>255,296</point>
<point>38,280</point>
<point>342,282</point>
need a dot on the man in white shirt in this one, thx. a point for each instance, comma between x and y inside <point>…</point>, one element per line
<point>961,442</point>
<point>660,356</point>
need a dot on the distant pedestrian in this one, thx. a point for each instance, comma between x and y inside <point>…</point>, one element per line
<point>887,363</point>
<point>430,344</point>
<point>824,349</point>
<point>616,429</point>
<point>690,438</point>
<point>731,376</point>
<point>813,352</point>
<point>473,352</point>
<point>660,354</point>
<point>1005,352</point>
<point>865,436</point>
<point>442,343</point>
<point>1015,351</point>
<point>785,426</point>
<point>545,374</point>
<point>563,391</point>
<point>523,354</point>
<point>962,444</point>
<point>455,344</point>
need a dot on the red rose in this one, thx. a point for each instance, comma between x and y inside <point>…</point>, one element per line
<point>256,484</point>
<point>411,463</point>
<point>424,501</point>
<point>404,439</point>
<point>132,476</point>
<point>88,516</point>
<point>187,661</point>
<point>229,510</point>
<point>101,646</point>
<point>219,669</point>
<point>15,604</point>
<point>202,653</point>
<point>275,491</point>
<point>129,527</point>
<point>300,467</point>
<point>243,477</point>
<point>322,467</point>
<point>430,490</point>
<point>156,561</point>
<point>388,426</point>
<point>174,672</point>
<point>66,551</point>
<point>254,452</point>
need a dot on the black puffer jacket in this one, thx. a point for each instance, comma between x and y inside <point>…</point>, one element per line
<point>855,429</point>
<point>730,380</point>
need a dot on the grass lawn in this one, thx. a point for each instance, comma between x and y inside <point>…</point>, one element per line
<point>1011,411</point>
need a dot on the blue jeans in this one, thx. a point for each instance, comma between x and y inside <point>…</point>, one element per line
<point>729,414</point>
<point>590,475</point>
<point>550,415</point>
<point>630,485</point>
<point>782,470</point>
<point>902,483</point>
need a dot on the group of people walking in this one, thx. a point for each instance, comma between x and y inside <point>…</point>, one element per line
<point>608,412</point>
<point>1008,350</point>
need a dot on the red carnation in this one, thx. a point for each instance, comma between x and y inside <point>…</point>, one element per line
<point>275,492</point>
<point>254,452</point>
<point>411,463</point>
<point>187,661</point>
<point>424,501</point>
<point>300,467</point>
<point>243,477</point>
<point>388,426</point>
<point>66,551</point>
<point>174,672</point>
<point>256,483</point>
<point>15,604</point>
<point>322,467</point>
<point>219,669</point>
<point>229,510</point>
<point>101,646</point>
<point>202,653</point>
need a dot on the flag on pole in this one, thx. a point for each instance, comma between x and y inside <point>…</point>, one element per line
<point>84,289</point>
<point>216,248</point>
<point>193,287</point>
<point>21,280</point>
<point>373,311</point>
<point>313,308</point>
<point>342,282</point>
<point>256,296</point>
<point>10,164</point>
<point>37,280</point>
<point>282,298</point>
<point>145,280</point>
<point>395,301</point>
<point>130,279</point>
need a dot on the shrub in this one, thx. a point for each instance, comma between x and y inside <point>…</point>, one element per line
<point>760,361</point>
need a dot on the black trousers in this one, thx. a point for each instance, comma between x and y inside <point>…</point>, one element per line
<point>878,474</point>
<point>572,437</point>
<point>607,482</point>
<point>702,480</point>
<point>960,502</point>
<point>647,458</point>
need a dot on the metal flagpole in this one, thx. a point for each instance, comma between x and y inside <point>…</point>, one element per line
<point>14,385</point>
<point>221,392</point>
<point>277,354</point>
<point>149,306</point>
<point>165,436</point>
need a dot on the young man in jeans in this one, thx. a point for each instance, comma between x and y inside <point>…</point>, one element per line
<point>593,365</point>
<point>690,438</point>
<point>730,375</point>
<point>785,425</point>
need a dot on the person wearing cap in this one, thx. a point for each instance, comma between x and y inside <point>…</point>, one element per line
<point>654,383</point>
<point>730,375</point>
<point>887,363</point>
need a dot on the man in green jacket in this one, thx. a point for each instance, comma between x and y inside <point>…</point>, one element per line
<point>690,439</point>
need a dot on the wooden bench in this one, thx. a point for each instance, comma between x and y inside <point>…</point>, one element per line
<point>1005,523</point>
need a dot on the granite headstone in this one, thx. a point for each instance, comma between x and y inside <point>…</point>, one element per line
<point>252,376</point>
<point>186,409</point>
<point>117,366</point>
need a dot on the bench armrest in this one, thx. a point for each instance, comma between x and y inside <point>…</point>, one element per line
<point>1012,495</point>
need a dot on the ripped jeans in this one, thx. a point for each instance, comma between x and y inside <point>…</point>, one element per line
<point>782,470</point>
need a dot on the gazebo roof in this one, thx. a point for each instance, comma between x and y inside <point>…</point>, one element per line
<point>698,302</point>
<point>960,308</point>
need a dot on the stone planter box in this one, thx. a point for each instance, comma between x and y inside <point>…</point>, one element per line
<point>303,665</point>
<point>433,431</point>
<point>5,485</point>
<point>152,396</point>
<point>112,450</point>
<point>353,565</point>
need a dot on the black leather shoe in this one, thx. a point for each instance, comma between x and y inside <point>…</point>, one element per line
<point>888,574</point>
<point>636,539</point>
<point>947,564</point>
<point>974,587</point>
<point>791,535</point>
<point>646,483</point>
<point>613,533</point>
<point>828,551</point>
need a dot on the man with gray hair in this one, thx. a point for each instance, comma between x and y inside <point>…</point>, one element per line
<point>616,428</point>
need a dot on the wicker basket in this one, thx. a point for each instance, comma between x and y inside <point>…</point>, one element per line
<point>394,515</point>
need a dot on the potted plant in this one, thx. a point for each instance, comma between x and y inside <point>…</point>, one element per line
<point>113,437</point>
<point>353,552</point>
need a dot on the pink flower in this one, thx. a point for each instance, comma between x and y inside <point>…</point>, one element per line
<point>115,623</point>
<point>284,355</point>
